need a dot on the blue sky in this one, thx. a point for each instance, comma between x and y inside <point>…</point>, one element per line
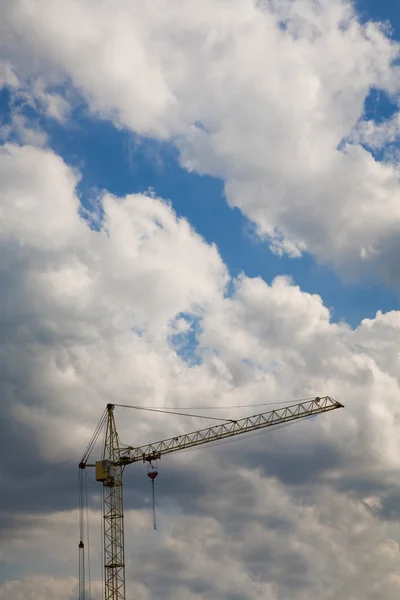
<point>380,10</point>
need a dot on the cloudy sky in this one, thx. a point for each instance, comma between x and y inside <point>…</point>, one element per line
<point>199,206</point>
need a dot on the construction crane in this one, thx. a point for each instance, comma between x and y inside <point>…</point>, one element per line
<point>115,457</point>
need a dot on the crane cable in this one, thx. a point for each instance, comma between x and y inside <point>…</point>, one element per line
<point>81,545</point>
<point>94,437</point>
<point>171,412</point>
<point>88,538</point>
<point>84,554</point>
<point>154,505</point>
<point>85,591</point>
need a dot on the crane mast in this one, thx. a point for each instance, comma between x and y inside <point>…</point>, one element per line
<point>109,471</point>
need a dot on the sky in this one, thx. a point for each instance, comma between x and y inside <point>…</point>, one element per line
<point>199,207</point>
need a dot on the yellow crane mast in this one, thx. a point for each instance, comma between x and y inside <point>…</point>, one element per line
<point>115,457</point>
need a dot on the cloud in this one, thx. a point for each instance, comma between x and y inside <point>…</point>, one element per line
<point>262,95</point>
<point>87,317</point>
<point>8,77</point>
<point>35,587</point>
<point>26,131</point>
<point>29,100</point>
<point>275,545</point>
<point>117,278</point>
<point>377,135</point>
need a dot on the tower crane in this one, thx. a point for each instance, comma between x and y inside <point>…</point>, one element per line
<point>115,457</point>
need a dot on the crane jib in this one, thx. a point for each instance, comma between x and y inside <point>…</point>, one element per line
<point>232,427</point>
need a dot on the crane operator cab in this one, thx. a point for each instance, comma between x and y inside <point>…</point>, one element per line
<point>105,471</point>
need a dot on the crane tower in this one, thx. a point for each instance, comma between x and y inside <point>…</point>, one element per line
<point>115,457</point>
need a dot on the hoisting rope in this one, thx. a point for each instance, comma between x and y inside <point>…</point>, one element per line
<point>154,506</point>
<point>84,553</point>
<point>152,474</point>
<point>88,540</point>
<point>81,545</point>
<point>84,535</point>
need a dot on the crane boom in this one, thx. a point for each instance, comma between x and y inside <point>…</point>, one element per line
<point>232,427</point>
<point>109,471</point>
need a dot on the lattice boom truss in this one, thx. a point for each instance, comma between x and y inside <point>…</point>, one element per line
<point>301,410</point>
